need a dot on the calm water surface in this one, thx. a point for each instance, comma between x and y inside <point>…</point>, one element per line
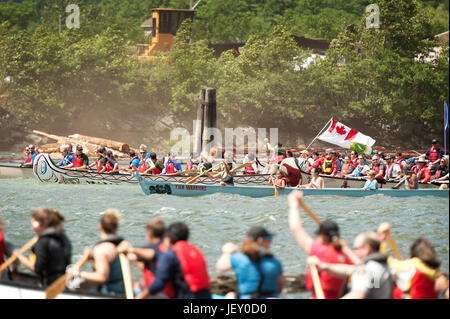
<point>216,219</point>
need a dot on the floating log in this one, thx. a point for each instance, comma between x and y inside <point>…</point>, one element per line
<point>118,146</point>
<point>225,283</point>
<point>89,149</point>
<point>49,148</point>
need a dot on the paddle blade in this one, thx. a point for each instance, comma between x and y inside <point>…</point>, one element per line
<point>56,287</point>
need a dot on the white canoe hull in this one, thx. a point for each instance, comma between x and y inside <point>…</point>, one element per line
<point>11,171</point>
<point>46,171</point>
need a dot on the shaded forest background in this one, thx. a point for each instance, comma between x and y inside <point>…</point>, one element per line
<point>86,80</point>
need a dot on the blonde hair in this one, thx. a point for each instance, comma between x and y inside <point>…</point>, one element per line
<point>110,221</point>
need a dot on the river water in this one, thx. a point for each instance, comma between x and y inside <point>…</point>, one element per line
<point>216,219</point>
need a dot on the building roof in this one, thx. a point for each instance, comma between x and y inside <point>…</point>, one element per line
<point>147,23</point>
<point>442,36</point>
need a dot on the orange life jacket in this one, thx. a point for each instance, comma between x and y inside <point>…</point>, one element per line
<point>193,265</point>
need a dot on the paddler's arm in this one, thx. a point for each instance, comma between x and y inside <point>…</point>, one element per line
<point>24,260</point>
<point>101,273</point>
<point>224,262</point>
<point>338,270</point>
<point>295,223</point>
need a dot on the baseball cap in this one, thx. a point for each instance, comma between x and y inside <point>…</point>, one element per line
<point>434,141</point>
<point>79,148</point>
<point>256,231</point>
<point>328,228</point>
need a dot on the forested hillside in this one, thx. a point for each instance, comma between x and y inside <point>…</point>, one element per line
<point>86,79</point>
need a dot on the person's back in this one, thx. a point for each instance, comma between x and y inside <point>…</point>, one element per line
<point>373,277</point>
<point>114,281</point>
<point>257,279</point>
<point>53,252</point>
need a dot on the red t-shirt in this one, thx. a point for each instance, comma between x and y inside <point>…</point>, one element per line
<point>331,285</point>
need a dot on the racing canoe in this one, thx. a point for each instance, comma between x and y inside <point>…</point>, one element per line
<point>46,171</point>
<point>180,189</point>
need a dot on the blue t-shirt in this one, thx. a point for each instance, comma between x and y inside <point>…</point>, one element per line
<point>33,157</point>
<point>135,162</point>
<point>370,185</point>
<point>68,159</point>
<point>248,275</point>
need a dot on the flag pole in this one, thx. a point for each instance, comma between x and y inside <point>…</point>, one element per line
<point>319,133</point>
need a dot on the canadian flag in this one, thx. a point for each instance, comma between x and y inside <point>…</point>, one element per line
<point>342,135</point>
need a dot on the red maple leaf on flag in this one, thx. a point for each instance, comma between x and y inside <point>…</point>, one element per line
<point>341,130</point>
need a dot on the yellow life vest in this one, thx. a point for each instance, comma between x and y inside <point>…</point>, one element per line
<point>327,166</point>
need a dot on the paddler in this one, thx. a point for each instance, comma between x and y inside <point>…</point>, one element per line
<point>134,163</point>
<point>423,170</point>
<point>393,170</point>
<point>280,181</point>
<point>416,277</point>
<point>150,255</point>
<point>252,169</point>
<point>316,181</point>
<point>30,156</point>
<point>370,278</point>
<point>327,247</point>
<point>67,157</point>
<point>52,252</point>
<point>108,272</point>
<point>259,273</point>
<point>328,164</point>
<point>171,167</point>
<point>112,166</point>
<point>226,177</point>
<point>378,167</point>
<point>6,250</point>
<point>80,161</point>
<point>183,264</point>
<point>371,183</point>
<point>101,160</point>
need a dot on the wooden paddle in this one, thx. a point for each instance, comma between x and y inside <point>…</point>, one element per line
<point>22,250</point>
<point>309,211</point>
<point>314,273</point>
<point>59,284</point>
<point>394,247</point>
<point>189,171</point>
<point>316,282</point>
<point>126,274</point>
<point>274,186</point>
<point>190,180</point>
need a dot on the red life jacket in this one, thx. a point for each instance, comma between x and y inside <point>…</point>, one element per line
<point>157,171</point>
<point>331,284</point>
<point>189,165</point>
<point>193,265</point>
<point>433,154</point>
<point>249,169</point>
<point>149,276</point>
<point>2,247</point>
<point>28,158</point>
<point>376,168</point>
<point>279,182</point>
<point>438,174</point>
<point>77,161</point>
<point>109,168</point>
<point>170,169</point>
<point>424,174</point>
<point>142,168</point>
<point>99,165</point>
